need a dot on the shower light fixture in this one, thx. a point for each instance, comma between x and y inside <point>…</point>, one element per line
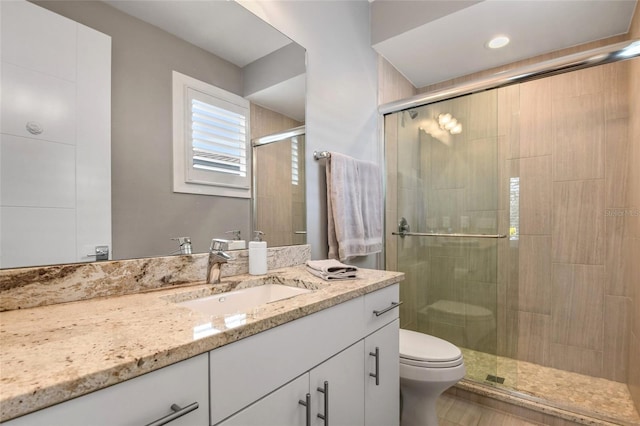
<point>450,124</point>
<point>497,42</point>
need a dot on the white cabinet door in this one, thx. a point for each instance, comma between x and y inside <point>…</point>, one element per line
<point>382,390</point>
<point>136,402</point>
<point>280,408</point>
<point>337,390</point>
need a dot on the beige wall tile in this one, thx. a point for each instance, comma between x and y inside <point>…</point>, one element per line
<point>448,163</point>
<point>633,379</point>
<point>577,83</point>
<point>578,360</point>
<point>536,195</point>
<point>578,305</point>
<point>392,85</point>
<point>446,278</point>
<point>578,137</point>
<point>533,337</point>
<point>617,321</point>
<point>616,102</point>
<point>536,129</point>
<point>632,250</point>
<point>534,285</point>
<point>482,175</point>
<point>509,113</point>
<point>482,120</point>
<point>618,148</point>
<point>618,283</point>
<point>483,262</point>
<point>578,222</point>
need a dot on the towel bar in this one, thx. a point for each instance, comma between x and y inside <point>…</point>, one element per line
<point>319,155</point>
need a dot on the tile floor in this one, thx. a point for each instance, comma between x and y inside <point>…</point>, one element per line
<point>590,395</point>
<point>454,411</point>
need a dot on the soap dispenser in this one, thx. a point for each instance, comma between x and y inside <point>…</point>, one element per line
<point>237,243</point>
<point>258,255</point>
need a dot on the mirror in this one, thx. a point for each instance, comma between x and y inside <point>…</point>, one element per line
<point>218,42</point>
<point>279,185</point>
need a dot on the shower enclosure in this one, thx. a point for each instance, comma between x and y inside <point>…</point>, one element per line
<point>511,212</point>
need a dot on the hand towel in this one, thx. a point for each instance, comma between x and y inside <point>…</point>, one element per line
<point>332,276</point>
<point>354,207</point>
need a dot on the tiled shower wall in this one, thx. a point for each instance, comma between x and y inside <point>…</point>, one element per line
<point>568,297</point>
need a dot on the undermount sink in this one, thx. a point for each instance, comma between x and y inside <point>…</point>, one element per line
<point>244,300</point>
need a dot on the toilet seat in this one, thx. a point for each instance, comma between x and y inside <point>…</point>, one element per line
<point>423,350</point>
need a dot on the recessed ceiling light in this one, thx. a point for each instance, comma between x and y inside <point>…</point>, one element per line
<point>498,42</point>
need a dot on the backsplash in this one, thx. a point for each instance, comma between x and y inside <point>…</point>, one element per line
<point>47,285</point>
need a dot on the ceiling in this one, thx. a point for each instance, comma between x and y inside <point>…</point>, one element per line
<point>435,40</point>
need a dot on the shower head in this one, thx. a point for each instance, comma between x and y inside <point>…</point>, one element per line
<point>413,113</point>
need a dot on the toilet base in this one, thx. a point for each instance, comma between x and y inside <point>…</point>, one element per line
<point>418,411</point>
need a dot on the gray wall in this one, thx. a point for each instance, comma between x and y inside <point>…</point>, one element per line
<point>145,211</point>
<point>341,113</point>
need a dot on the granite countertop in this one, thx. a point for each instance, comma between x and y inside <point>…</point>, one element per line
<point>53,353</point>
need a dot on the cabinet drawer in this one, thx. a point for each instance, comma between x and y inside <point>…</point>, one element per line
<point>138,401</point>
<point>379,307</point>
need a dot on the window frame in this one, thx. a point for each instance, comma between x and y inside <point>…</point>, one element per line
<point>187,179</point>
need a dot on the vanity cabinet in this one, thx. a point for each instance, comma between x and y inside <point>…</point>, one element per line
<point>139,401</point>
<point>264,380</point>
<point>340,363</point>
<point>328,386</point>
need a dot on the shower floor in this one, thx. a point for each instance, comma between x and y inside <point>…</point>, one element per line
<point>573,391</point>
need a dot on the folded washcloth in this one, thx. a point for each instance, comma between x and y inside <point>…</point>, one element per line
<point>333,276</point>
<point>330,266</point>
<point>331,269</point>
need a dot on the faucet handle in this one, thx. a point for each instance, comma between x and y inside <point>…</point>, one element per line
<point>236,234</point>
<point>219,245</point>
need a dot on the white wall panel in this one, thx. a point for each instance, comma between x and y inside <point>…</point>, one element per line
<point>34,38</point>
<point>37,236</point>
<point>94,142</point>
<point>36,173</point>
<point>33,96</point>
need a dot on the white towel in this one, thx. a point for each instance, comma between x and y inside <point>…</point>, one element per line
<point>331,269</point>
<point>354,207</point>
<point>333,276</point>
<point>330,266</point>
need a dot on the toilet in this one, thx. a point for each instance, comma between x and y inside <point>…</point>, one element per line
<point>428,367</point>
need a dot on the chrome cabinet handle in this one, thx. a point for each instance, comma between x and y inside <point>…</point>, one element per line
<point>177,412</point>
<point>384,311</point>
<point>376,375</point>
<point>307,403</point>
<point>325,391</point>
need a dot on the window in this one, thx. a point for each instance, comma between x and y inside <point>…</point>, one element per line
<point>294,160</point>
<point>210,140</point>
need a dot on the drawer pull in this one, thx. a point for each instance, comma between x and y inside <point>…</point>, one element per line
<point>325,391</point>
<point>177,412</point>
<point>384,311</point>
<point>307,403</point>
<point>376,375</point>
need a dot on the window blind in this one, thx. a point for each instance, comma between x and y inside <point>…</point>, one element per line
<point>218,139</point>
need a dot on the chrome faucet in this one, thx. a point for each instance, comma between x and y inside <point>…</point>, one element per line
<point>217,256</point>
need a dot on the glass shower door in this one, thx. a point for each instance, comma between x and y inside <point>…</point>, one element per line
<point>448,208</point>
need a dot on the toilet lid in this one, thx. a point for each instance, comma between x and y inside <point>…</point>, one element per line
<point>459,308</point>
<point>423,349</point>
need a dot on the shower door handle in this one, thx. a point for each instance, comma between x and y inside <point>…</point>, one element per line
<point>437,234</point>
